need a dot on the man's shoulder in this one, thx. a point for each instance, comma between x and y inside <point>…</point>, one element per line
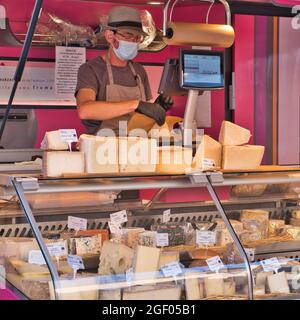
<point>94,63</point>
<point>138,67</point>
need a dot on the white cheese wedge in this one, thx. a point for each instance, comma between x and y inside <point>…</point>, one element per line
<point>242,157</point>
<point>229,288</point>
<point>193,287</point>
<point>146,259</point>
<point>153,293</point>
<point>278,283</point>
<point>261,278</point>
<point>101,153</point>
<point>58,163</point>
<point>233,135</point>
<point>208,154</point>
<point>52,141</point>
<point>137,154</point>
<point>214,286</point>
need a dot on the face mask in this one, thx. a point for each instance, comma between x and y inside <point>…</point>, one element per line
<point>126,50</point>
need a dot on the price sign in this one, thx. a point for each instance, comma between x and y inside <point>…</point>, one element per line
<point>75,262</point>
<point>115,228</point>
<point>77,223</point>
<point>215,263</point>
<point>162,239</point>
<point>206,237</point>
<point>119,217</point>
<point>270,264</point>
<point>129,275</point>
<point>68,135</point>
<point>36,257</point>
<point>172,269</point>
<point>166,216</point>
<point>57,249</point>
<point>250,253</point>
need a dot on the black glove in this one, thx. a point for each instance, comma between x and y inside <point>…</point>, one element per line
<point>165,102</point>
<point>152,110</point>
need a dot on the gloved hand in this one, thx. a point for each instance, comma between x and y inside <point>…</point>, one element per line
<point>165,102</point>
<point>152,110</point>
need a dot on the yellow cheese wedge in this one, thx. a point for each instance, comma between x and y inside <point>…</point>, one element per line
<point>166,130</point>
<point>140,121</point>
<point>233,135</point>
<point>28,270</point>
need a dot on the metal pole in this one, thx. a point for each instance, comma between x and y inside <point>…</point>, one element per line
<point>155,198</point>
<point>22,60</point>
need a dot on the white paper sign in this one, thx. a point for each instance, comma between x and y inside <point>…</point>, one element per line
<point>172,269</point>
<point>68,135</point>
<point>77,223</point>
<point>250,253</point>
<point>129,275</point>
<point>118,217</point>
<point>75,262</point>
<point>215,263</point>
<point>67,62</point>
<point>36,257</point>
<point>270,264</point>
<point>57,249</point>
<point>205,237</point>
<point>2,277</point>
<point>162,239</point>
<point>166,216</point>
<point>115,228</point>
<point>208,163</point>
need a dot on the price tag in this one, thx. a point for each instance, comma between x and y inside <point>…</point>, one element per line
<point>75,262</point>
<point>250,253</point>
<point>270,264</point>
<point>208,163</point>
<point>215,263</point>
<point>36,257</point>
<point>172,269</point>
<point>166,216</point>
<point>115,228</point>
<point>206,237</point>
<point>119,217</point>
<point>77,223</point>
<point>162,239</point>
<point>57,249</point>
<point>68,135</point>
<point>2,277</point>
<point>129,275</point>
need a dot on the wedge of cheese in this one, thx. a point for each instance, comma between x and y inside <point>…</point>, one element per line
<point>139,121</point>
<point>174,160</point>
<point>194,289</point>
<point>233,135</point>
<point>52,141</point>
<point>137,154</point>
<point>146,259</point>
<point>153,293</point>
<point>58,163</point>
<point>166,130</point>
<point>168,257</point>
<point>214,286</point>
<point>278,283</point>
<point>29,271</point>
<point>208,154</point>
<point>100,153</point>
<point>242,157</point>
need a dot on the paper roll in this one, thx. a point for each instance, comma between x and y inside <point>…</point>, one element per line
<point>199,34</point>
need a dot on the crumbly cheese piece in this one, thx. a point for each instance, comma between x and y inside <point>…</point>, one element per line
<point>137,154</point>
<point>52,141</point>
<point>115,258</point>
<point>256,221</point>
<point>168,257</point>
<point>194,289</point>
<point>129,236</point>
<point>101,153</point>
<point>242,157</point>
<point>147,238</point>
<point>274,226</point>
<point>233,135</point>
<point>296,214</point>
<point>208,154</point>
<point>153,293</point>
<point>88,245</point>
<point>58,163</point>
<point>278,283</point>
<point>146,259</point>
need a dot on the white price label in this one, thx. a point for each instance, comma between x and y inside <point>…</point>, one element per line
<point>215,263</point>
<point>57,249</point>
<point>206,237</point>
<point>36,257</point>
<point>172,269</point>
<point>75,262</point>
<point>166,216</point>
<point>119,217</point>
<point>250,253</point>
<point>270,264</point>
<point>162,239</point>
<point>2,278</point>
<point>208,163</point>
<point>129,275</point>
<point>115,228</point>
<point>77,223</point>
<point>68,135</point>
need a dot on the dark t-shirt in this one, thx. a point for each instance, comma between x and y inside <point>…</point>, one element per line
<point>93,74</point>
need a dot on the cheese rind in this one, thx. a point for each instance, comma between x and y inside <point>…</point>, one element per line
<point>52,141</point>
<point>233,135</point>
<point>242,157</point>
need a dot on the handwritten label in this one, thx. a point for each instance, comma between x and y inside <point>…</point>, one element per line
<point>162,239</point>
<point>208,163</point>
<point>166,216</point>
<point>57,249</point>
<point>215,263</point>
<point>119,217</point>
<point>77,223</point>
<point>115,228</point>
<point>270,264</point>
<point>129,275</point>
<point>68,135</point>
<point>250,253</point>
<point>36,257</point>
<point>75,262</point>
<point>172,269</point>
<point>205,237</point>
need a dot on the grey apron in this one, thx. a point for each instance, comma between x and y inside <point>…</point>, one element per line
<point>117,93</point>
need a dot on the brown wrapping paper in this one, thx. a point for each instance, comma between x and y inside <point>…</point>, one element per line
<point>199,34</point>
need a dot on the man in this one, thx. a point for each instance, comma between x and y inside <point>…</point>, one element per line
<point>112,87</point>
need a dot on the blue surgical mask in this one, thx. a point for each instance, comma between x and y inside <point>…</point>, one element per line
<point>127,50</point>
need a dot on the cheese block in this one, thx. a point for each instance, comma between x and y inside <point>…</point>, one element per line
<point>115,258</point>
<point>92,232</point>
<point>129,236</point>
<point>101,154</point>
<point>248,236</point>
<point>85,245</point>
<point>194,289</point>
<point>208,154</point>
<point>242,157</point>
<point>233,135</point>
<point>147,238</point>
<point>174,160</point>
<point>296,214</point>
<point>137,154</point>
<point>274,226</point>
<point>278,283</point>
<point>214,286</point>
<point>164,131</point>
<point>18,248</point>
<point>237,225</point>
<point>261,278</point>
<point>248,190</point>
<point>29,271</point>
<point>114,294</point>
<point>256,221</point>
<point>53,141</point>
<point>146,259</point>
<point>139,121</point>
<point>58,163</point>
<point>153,293</point>
<point>168,257</point>
<point>229,288</point>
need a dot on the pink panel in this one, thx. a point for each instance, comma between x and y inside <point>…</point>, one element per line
<point>7,295</point>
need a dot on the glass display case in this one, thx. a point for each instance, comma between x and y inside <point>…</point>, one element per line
<point>71,238</point>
